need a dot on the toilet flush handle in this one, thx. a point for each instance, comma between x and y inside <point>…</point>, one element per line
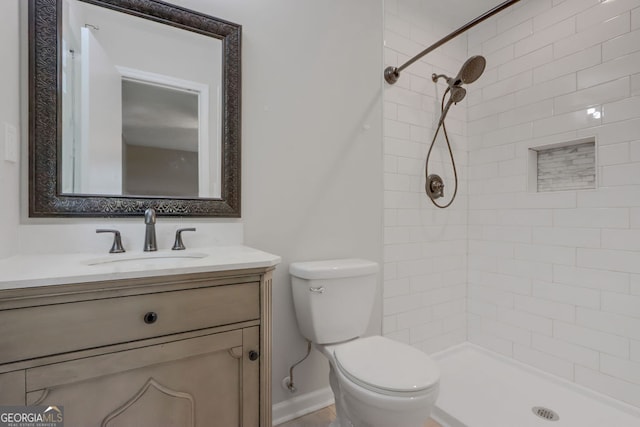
<point>319,290</point>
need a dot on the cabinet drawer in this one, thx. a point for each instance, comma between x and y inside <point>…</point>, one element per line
<point>31,332</point>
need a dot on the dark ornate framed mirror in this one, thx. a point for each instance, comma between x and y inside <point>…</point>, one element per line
<point>133,104</point>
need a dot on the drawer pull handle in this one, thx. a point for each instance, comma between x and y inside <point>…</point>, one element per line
<point>150,317</point>
<point>253,355</point>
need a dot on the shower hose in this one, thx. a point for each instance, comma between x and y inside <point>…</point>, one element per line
<point>453,162</point>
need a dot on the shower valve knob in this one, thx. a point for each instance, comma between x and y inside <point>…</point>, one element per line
<point>434,187</point>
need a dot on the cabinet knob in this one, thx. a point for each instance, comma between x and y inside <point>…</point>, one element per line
<point>253,355</point>
<point>150,317</point>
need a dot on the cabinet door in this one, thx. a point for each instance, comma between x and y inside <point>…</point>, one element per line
<point>195,382</point>
<point>12,388</point>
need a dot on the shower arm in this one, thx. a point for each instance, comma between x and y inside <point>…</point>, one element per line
<point>436,77</point>
<point>392,74</point>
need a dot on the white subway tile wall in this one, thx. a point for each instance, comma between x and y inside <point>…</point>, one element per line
<point>554,278</point>
<point>425,247</point>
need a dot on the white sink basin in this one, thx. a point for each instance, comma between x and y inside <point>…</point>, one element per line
<point>147,258</point>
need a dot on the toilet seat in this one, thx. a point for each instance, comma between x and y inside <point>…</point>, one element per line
<point>387,367</point>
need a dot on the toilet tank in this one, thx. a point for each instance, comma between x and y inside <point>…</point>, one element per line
<point>333,299</point>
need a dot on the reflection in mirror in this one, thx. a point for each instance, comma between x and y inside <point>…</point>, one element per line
<point>133,104</point>
<point>141,112</point>
<point>158,159</point>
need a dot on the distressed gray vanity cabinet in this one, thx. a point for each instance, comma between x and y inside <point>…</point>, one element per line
<point>183,350</point>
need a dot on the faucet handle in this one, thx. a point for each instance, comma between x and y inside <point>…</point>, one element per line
<point>150,216</point>
<point>116,248</point>
<point>178,245</point>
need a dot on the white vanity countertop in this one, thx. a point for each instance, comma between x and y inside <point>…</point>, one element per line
<point>24,271</point>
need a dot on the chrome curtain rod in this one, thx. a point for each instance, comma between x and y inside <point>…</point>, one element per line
<point>392,74</point>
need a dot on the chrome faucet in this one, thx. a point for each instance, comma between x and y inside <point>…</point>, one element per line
<point>150,230</point>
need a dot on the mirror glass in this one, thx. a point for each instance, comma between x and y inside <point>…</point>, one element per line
<point>133,104</point>
<point>140,106</point>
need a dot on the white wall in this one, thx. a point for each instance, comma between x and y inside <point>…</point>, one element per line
<point>312,144</point>
<point>424,246</point>
<point>554,277</point>
<point>9,113</point>
<point>312,153</point>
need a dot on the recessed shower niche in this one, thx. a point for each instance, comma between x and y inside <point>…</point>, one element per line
<point>564,166</point>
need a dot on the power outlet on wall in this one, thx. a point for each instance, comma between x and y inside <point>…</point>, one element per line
<point>10,143</point>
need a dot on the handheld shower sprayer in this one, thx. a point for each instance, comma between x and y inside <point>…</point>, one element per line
<point>456,94</point>
<point>470,71</point>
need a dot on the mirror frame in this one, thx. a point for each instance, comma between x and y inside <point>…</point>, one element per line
<point>45,113</point>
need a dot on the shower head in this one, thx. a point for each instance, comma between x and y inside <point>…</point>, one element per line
<point>470,71</point>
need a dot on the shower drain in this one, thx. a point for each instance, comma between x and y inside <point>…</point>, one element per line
<point>545,413</point>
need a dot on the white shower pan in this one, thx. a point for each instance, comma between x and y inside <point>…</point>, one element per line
<point>479,388</point>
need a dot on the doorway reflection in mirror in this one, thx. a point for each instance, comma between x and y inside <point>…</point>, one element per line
<point>141,107</point>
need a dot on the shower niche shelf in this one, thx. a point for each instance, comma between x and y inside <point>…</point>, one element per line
<point>564,166</point>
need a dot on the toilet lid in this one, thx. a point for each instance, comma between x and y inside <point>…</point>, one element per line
<point>388,365</point>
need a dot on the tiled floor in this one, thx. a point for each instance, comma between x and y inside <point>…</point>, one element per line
<point>323,418</point>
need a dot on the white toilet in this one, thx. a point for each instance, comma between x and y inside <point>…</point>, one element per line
<point>376,382</point>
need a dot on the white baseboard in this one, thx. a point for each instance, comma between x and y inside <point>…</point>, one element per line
<point>444,419</point>
<point>301,405</point>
